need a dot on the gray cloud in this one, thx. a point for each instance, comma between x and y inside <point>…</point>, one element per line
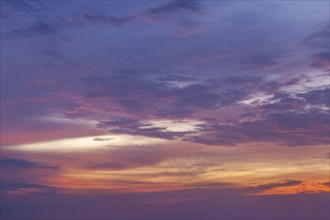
<point>317,97</point>
<point>135,127</point>
<point>264,187</point>
<point>103,139</point>
<point>42,28</point>
<point>58,22</point>
<point>286,128</point>
<point>321,59</point>
<point>13,163</point>
<point>326,184</point>
<point>319,43</point>
<point>318,39</point>
<point>161,97</point>
<point>89,19</point>
<point>22,8</point>
<point>286,119</point>
<point>108,165</point>
<point>168,10</point>
<point>13,186</point>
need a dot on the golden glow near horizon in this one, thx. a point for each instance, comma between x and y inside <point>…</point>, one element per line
<point>112,163</point>
<point>132,163</point>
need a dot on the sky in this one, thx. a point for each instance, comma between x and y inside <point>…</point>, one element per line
<point>179,109</point>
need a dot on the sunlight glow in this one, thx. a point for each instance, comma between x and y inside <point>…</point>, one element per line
<point>87,143</point>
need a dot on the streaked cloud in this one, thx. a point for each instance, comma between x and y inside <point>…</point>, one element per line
<point>13,163</point>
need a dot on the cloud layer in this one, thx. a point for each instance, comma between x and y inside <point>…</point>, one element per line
<point>165,109</point>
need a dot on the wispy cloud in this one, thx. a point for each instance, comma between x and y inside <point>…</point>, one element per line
<point>264,187</point>
<point>25,188</point>
<point>161,13</point>
<point>13,163</point>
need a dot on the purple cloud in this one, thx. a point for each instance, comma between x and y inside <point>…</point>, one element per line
<point>289,129</point>
<point>13,163</point>
<point>170,9</point>
<point>264,187</point>
<point>33,9</point>
<point>14,186</point>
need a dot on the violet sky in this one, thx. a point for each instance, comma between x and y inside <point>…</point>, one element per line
<point>183,109</point>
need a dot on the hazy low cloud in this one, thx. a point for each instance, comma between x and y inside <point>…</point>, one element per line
<point>13,163</point>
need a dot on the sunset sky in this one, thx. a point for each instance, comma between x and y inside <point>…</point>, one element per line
<point>185,109</point>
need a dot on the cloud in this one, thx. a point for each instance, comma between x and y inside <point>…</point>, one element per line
<point>13,163</point>
<point>103,139</point>
<point>281,117</point>
<point>131,157</point>
<point>190,173</point>
<point>259,61</point>
<point>265,187</point>
<point>321,60</point>
<point>95,20</point>
<point>319,43</point>
<point>193,58</point>
<point>205,96</point>
<point>176,6</point>
<point>135,127</point>
<point>108,165</point>
<point>316,97</point>
<point>287,128</point>
<point>318,39</point>
<point>326,184</point>
<point>170,9</point>
<point>19,185</point>
<point>42,28</point>
<point>163,159</point>
<point>282,102</point>
<point>23,187</point>
<point>58,22</point>
<point>161,97</point>
<point>159,13</point>
<point>22,8</point>
<point>212,185</point>
<point>323,156</point>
